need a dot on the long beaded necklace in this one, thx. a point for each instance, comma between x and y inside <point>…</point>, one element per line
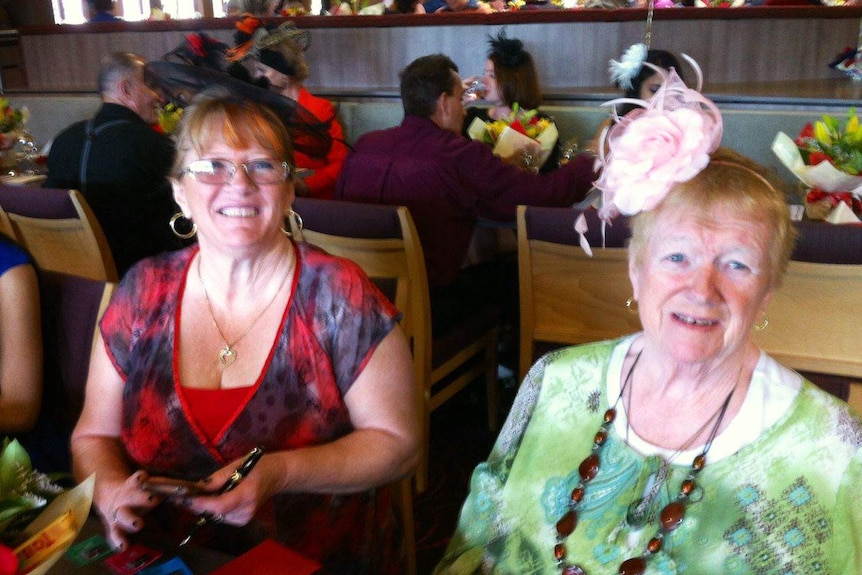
<point>227,355</point>
<point>670,517</point>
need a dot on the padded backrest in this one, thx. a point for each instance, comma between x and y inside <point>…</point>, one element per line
<point>382,239</point>
<point>60,230</point>
<point>71,307</point>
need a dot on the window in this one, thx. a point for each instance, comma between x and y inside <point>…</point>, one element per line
<point>72,11</point>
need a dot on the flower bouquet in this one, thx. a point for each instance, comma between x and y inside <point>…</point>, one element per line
<point>169,117</point>
<point>38,519</point>
<point>512,133</point>
<point>12,120</point>
<point>827,158</point>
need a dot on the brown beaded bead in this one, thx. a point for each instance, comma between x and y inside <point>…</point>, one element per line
<point>567,523</point>
<point>573,570</point>
<point>654,545</point>
<point>687,487</point>
<point>559,551</point>
<point>601,436</point>
<point>699,462</point>
<point>589,467</point>
<point>577,494</point>
<point>633,566</point>
<point>672,515</point>
<point>610,415</point>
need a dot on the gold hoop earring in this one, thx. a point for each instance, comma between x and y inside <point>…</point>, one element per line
<point>183,236</point>
<point>292,217</point>
<point>632,305</point>
<point>762,325</point>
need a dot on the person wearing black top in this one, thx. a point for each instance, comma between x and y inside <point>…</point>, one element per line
<point>120,163</point>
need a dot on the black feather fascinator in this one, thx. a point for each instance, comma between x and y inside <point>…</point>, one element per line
<point>507,52</point>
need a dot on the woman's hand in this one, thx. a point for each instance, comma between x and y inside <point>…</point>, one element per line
<point>124,509</point>
<point>239,505</point>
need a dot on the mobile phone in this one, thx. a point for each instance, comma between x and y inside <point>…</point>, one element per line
<point>172,487</point>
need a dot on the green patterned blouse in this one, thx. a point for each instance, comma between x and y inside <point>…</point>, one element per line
<point>784,503</point>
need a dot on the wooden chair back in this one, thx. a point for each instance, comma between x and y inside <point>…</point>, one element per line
<point>814,317</point>
<point>383,240</point>
<point>59,230</point>
<point>568,297</point>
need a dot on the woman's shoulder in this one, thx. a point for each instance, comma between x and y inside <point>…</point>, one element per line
<point>319,269</point>
<point>159,272</point>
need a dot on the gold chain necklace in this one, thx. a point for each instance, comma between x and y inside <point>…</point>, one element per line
<point>227,356</point>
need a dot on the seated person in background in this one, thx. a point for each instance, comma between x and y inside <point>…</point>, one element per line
<point>637,80</point>
<point>157,11</point>
<point>682,448</point>
<point>478,6</point>
<point>263,8</point>
<point>447,182</point>
<point>405,7</point>
<point>283,64</point>
<point>20,341</point>
<point>245,340</point>
<point>100,11</point>
<point>510,77</point>
<point>120,163</point>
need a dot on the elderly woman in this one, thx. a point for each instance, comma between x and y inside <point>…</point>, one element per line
<point>245,340</point>
<point>279,57</point>
<point>683,448</point>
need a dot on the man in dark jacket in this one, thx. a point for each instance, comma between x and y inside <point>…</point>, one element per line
<point>121,163</point>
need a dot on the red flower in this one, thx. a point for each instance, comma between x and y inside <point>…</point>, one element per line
<point>807,132</point>
<point>518,127</point>
<point>815,158</point>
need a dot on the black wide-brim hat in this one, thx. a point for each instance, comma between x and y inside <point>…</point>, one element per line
<point>181,82</point>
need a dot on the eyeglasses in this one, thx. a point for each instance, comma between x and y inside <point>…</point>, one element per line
<point>216,171</point>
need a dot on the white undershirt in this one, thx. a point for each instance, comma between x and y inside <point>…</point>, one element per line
<point>771,392</point>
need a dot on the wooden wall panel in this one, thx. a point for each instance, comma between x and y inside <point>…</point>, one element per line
<point>364,60</point>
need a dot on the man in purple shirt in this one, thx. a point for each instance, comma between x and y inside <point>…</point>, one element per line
<point>447,182</point>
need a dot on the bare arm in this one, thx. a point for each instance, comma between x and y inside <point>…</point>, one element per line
<point>97,448</point>
<point>20,349</point>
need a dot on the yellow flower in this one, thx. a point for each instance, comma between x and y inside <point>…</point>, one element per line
<point>821,132</point>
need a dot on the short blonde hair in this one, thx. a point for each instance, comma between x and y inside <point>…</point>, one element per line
<point>734,181</point>
<point>237,122</point>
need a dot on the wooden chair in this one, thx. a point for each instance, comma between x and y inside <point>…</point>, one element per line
<point>814,317</point>
<point>59,230</point>
<point>383,241</point>
<point>71,309</point>
<point>568,297</point>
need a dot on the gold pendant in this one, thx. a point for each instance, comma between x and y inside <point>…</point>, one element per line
<point>226,357</point>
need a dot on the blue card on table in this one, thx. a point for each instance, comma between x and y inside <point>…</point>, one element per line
<point>174,566</point>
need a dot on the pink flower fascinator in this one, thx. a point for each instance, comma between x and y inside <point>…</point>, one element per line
<point>666,141</point>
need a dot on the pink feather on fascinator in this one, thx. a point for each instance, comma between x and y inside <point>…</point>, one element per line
<point>667,141</point>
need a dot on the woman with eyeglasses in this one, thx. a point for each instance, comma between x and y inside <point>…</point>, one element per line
<point>248,339</point>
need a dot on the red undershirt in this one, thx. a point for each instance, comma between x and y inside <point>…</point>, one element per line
<point>213,408</point>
